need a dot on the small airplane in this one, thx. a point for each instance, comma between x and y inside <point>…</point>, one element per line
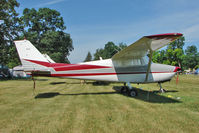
<point>131,65</point>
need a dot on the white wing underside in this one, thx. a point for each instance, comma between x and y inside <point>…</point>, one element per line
<point>136,53</point>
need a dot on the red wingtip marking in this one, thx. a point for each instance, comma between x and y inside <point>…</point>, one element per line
<point>177,69</point>
<point>166,34</point>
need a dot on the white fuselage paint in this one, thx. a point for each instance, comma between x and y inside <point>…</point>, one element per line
<point>159,73</point>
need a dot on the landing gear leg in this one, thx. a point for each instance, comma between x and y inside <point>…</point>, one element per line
<point>34,83</point>
<point>129,90</point>
<point>161,89</point>
<point>124,89</point>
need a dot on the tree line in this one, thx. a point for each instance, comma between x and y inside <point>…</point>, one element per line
<point>175,54</point>
<point>110,48</point>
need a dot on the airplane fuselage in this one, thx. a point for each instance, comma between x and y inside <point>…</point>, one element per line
<point>105,70</point>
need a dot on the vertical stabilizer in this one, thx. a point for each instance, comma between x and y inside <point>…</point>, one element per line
<point>31,58</point>
<point>48,58</point>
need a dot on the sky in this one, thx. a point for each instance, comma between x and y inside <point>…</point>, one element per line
<point>93,23</point>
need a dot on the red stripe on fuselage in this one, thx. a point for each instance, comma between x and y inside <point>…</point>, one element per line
<point>67,67</point>
<point>98,74</point>
<point>79,67</point>
<point>47,64</point>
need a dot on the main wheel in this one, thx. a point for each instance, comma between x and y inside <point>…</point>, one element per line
<point>124,90</point>
<point>133,93</point>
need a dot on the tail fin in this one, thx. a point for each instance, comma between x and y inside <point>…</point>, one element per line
<point>48,58</point>
<point>31,58</point>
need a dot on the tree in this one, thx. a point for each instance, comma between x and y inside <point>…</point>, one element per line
<point>57,45</point>
<point>45,29</point>
<point>174,52</point>
<point>99,53</point>
<point>43,20</point>
<point>122,46</point>
<point>10,29</point>
<point>159,57</point>
<point>191,59</point>
<point>173,55</point>
<point>88,57</point>
<point>109,50</point>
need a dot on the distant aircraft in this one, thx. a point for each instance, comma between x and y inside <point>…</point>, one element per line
<point>131,65</point>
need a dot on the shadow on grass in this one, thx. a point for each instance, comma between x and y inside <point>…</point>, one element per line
<point>142,95</point>
<point>151,96</point>
<point>165,91</point>
<point>55,83</point>
<point>97,83</point>
<point>53,94</point>
<point>101,83</point>
<point>47,95</point>
<point>147,96</point>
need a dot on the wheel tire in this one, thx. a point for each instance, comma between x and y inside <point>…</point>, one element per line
<point>133,93</point>
<point>124,90</point>
<point>162,90</point>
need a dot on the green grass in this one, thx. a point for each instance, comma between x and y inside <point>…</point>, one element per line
<point>64,105</point>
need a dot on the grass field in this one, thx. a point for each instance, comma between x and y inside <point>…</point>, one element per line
<point>65,105</point>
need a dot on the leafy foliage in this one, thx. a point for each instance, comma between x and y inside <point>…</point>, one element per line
<point>56,44</point>
<point>173,55</point>
<point>109,50</point>
<point>176,56</point>
<point>45,29</point>
<point>191,59</point>
<point>159,57</point>
<point>174,52</point>
<point>88,57</point>
<point>10,28</point>
<point>43,20</point>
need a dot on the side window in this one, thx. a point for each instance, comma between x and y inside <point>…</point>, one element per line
<point>131,62</point>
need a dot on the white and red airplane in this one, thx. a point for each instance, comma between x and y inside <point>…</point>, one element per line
<point>130,65</point>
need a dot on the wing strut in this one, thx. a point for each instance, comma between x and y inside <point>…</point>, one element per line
<point>150,61</point>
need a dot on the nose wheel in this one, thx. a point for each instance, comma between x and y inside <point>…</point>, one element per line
<point>161,89</point>
<point>133,93</point>
<point>129,91</point>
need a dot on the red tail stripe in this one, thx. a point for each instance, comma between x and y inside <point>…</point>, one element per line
<point>47,64</point>
<point>67,67</point>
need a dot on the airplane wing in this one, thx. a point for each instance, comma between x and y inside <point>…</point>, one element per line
<point>147,43</point>
<point>135,54</point>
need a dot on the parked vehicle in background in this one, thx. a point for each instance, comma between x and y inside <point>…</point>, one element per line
<point>4,72</point>
<point>18,72</point>
<point>197,71</point>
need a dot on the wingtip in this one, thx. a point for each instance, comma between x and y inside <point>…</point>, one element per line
<point>165,34</point>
